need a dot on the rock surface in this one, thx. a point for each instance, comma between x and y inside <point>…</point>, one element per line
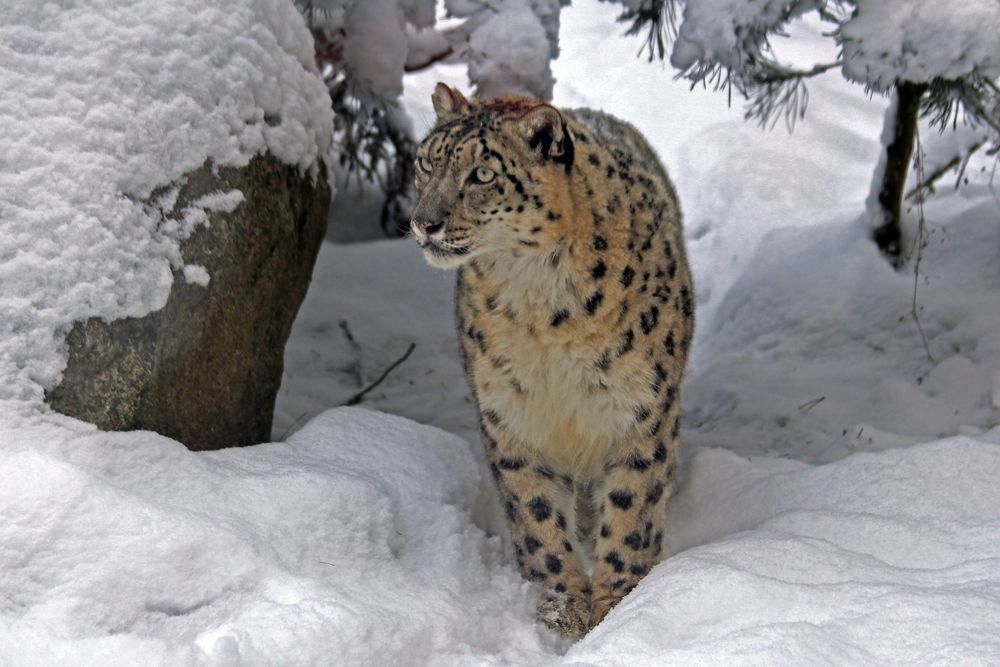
<point>205,369</point>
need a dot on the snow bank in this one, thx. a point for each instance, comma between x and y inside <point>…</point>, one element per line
<point>814,352</point>
<point>352,542</point>
<point>876,559</point>
<point>356,539</point>
<point>105,105</point>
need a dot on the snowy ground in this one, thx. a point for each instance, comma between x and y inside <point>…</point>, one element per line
<point>840,500</point>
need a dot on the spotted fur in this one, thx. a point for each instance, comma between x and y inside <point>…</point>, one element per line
<point>575,314</point>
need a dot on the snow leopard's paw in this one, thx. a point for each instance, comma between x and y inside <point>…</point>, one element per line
<point>600,608</point>
<point>567,615</point>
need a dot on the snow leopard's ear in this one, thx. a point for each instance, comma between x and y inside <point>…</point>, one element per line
<point>545,129</point>
<point>448,102</point>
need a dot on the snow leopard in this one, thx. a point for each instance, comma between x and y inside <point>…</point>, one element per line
<point>575,312</point>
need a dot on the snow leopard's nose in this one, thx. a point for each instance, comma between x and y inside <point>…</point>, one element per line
<point>425,226</point>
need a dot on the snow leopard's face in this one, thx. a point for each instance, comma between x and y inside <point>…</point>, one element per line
<point>484,180</point>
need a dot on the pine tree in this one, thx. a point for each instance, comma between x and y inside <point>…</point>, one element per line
<point>936,61</point>
<point>364,48</point>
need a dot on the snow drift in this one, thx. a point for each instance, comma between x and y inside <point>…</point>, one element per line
<point>876,559</point>
<point>355,539</point>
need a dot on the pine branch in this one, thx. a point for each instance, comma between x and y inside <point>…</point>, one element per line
<point>659,19</point>
<point>774,91</point>
<point>835,11</point>
<point>786,99</point>
<point>947,100</point>
<point>778,73</point>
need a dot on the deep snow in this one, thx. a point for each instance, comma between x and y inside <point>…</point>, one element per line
<point>860,528</point>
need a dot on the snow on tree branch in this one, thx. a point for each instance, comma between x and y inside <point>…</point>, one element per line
<point>937,60</point>
<point>509,49</point>
<point>507,44</point>
<point>365,47</point>
<point>920,40</point>
<point>730,33</point>
<point>726,44</point>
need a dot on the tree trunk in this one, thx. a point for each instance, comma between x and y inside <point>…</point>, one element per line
<point>898,151</point>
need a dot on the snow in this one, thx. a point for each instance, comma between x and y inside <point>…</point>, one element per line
<point>507,45</point>
<point>724,31</point>
<point>920,40</point>
<point>509,52</point>
<point>883,41</point>
<point>838,501</point>
<point>875,559</point>
<point>106,106</point>
<point>784,332</point>
<point>128,547</point>
<point>196,274</point>
<point>375,47</point>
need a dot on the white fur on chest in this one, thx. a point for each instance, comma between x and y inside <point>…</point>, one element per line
<point>560,410</point>
<point>535,284</point>
<point>560,403</point>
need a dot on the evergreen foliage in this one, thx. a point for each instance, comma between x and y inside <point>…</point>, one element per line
<point>937,62</point>
<point>948,54</point>
<point>364,48</point>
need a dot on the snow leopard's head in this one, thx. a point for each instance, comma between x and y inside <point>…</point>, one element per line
<point>492,176</point>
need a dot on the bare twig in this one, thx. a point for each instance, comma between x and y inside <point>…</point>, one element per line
<point>431,60</point>
<point>993,173</point>
<point>919,243</point>
<point>984,116</point>
<point>960,171</point>
<point>957,161</point>
<point>354,400</point>
<point>809,405</point>
<point>346,328</point>
<point>354,368</point>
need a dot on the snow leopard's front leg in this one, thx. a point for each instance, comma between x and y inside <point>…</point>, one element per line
<point>632,505</point>
<point>540,506</point>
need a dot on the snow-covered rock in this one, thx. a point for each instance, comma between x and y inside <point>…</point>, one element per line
<point>106,106</point>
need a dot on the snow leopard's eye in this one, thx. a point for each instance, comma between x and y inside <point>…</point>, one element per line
<point>424,164</point>
<point>481,175</point>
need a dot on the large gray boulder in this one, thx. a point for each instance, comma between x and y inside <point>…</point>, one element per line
<point>205,369</point>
